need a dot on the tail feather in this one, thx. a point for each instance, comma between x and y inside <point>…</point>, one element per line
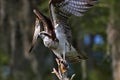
<point>74,56</point>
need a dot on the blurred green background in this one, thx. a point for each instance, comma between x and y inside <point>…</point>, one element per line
<point>97,33</point>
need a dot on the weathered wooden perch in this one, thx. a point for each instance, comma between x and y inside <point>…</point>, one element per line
<point>62,71</point>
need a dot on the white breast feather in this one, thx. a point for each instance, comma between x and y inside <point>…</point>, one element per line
<point>64,45</point>
<point>60,35</point>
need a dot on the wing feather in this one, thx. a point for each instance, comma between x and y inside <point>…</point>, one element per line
<point>75,7</point>
<point>36,33</point>
<point>63,9</point>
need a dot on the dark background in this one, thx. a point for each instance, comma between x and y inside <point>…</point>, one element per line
<point>97,33</point>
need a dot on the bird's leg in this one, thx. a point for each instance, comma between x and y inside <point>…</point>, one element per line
<point>64,57</point>
<point>64,52</point>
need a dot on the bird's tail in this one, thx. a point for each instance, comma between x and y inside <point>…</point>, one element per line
<point>75,56</point>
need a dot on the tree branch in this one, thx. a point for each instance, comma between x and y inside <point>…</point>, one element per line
<point>62,71</point>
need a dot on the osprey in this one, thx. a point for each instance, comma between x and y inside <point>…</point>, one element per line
<point>57,33</point>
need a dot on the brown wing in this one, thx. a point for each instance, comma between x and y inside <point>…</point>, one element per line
<point>45,20</point>
<point>47,25</point>
<point>36,33</point>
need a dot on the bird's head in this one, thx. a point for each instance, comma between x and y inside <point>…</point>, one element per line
<point>48,41</point>
<point>44,34</point>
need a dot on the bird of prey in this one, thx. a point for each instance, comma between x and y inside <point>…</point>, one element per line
<point>57,35</point>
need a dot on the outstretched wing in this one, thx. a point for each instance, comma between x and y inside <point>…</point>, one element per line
<point>47,25</point>
<point>61,10</point>
<point>36,33</point>
<point>75,7</point>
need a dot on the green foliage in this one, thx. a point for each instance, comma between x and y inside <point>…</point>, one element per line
<point>43,7</point>
<point>4,58</point>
